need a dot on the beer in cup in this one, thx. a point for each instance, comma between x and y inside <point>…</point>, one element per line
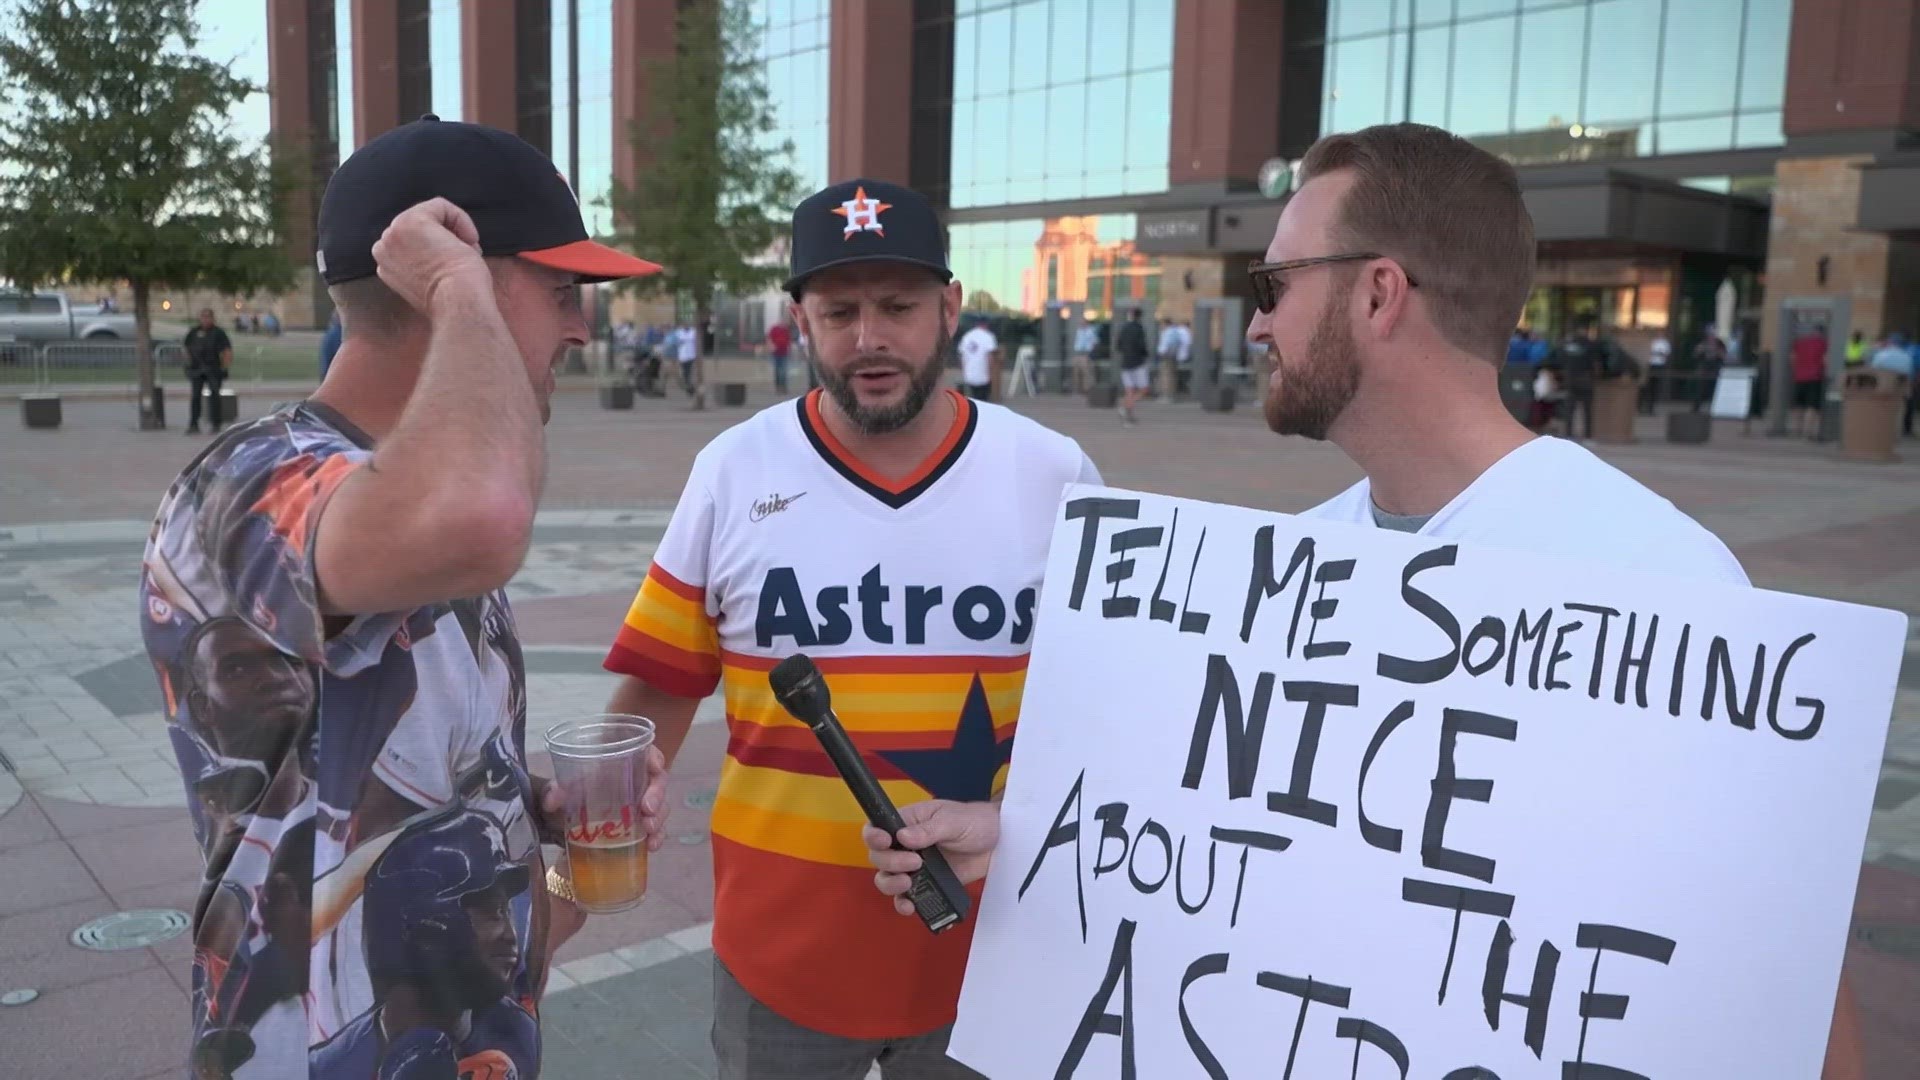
<point>600,763</point>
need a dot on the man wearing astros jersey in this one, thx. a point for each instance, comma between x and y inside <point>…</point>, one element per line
<point>896,532</point>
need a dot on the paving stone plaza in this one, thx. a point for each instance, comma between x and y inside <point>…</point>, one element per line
<point>92,816</point>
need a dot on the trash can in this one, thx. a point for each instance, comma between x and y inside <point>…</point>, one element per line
<point>1614,403</point>
<point>1872,405</point>
<point>40,410</point>
<point>616,395</point>
<point>1689,426</point>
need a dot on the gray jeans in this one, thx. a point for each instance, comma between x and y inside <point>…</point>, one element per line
<point>752,1042</point>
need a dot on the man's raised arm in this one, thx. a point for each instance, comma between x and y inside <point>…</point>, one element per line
<point>445,508</point>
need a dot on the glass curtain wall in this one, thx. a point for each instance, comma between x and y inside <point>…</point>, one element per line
<point>1563,80</point>
<point>1018,267</point>
<point>1060,99</point>
<point>595,46</point>
<point>793,51</point>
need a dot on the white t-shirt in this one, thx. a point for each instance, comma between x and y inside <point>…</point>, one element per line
<point>975,347</point>
<point>1559,498</point>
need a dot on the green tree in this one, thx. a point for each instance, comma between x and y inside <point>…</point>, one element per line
<point>711,200</point>
<point>116,160</point>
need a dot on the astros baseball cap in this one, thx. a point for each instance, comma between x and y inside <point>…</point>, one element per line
<point>864,220</point>
<point>519,203</point>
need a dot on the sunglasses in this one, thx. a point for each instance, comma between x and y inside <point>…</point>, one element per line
<point>1265,276</point>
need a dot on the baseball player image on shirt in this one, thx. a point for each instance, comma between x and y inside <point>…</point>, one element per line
<point>443,952</point>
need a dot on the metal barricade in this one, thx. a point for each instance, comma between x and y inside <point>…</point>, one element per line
<point>92,361</point>
<point>96,362</point>
<point>19,363</point>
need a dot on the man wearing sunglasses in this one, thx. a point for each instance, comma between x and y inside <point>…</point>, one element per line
<point>1396,273</point>
<point>1397,270</point>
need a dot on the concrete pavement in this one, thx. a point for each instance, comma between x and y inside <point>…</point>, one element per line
<point>92,817</point>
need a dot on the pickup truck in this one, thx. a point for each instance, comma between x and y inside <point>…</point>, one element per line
<point>41,317</point>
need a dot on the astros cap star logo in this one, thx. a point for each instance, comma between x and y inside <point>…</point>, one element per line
<point>862,214</point>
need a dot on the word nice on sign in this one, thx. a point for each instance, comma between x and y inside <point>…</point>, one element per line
<point>1295,799</point>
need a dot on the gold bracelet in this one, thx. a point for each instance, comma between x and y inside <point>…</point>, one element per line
<point>559,885</point>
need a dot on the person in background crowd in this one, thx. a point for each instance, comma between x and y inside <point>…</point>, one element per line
<point>779,345</point>
<point>1892,355</point>
<point>1810,378</point>
<point>1658,354</point>
<point>1913,387</point>
<point>1383,316</point>
<point>1183,357</point>
<point>1897,356</point>
<point>1856,349</point>
<point>1082,367</point>
<point>1166,346</point>
<point>1581,359</point>
<point>209,359</point>
<point>979,356</point>
<point>686,350</point>
<point>1519,346</point>
<point>1136,375</point>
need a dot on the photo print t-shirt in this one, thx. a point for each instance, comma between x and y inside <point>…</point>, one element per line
<point>372,900</point>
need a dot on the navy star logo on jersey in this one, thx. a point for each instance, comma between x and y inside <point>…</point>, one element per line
<point>964,770</point>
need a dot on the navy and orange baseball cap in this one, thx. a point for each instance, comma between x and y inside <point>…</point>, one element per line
<point>519,203</point>
<point>864,220</point>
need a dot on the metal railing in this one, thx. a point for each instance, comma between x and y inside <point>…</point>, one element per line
<point>113,363</point>
<point>99,362</point>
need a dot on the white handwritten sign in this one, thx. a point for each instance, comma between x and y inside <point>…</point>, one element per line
<point>1296,799</point>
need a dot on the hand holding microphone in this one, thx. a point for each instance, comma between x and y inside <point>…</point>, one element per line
<point>964,832</point>
<point>931,888</point>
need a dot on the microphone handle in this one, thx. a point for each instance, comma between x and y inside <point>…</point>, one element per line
<point>936,893</point>
<point>853,769</point>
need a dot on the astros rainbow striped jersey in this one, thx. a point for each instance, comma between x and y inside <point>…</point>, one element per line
<point>917,598</point>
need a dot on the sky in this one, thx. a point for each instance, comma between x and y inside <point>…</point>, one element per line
<point>236,31</point>
<point>230,31</point>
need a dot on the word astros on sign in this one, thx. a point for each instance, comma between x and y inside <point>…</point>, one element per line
<point>1301,799</point>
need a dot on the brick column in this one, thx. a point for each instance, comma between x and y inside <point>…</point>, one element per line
<point>870,90</point>
<point>1852,87</point>
<point>487,70</point>
<point>1852,66</point>
<point>300,68</point>
<point>376,68</point>
<point>1226,100</point>
<point>643,37</point>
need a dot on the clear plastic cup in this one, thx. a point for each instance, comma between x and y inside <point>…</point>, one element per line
<point>600,763</point>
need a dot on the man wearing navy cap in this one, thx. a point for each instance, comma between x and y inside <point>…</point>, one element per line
<point>897,532</point>
<point>363,536</point>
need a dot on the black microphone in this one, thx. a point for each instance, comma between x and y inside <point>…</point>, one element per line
<point>936,892</point>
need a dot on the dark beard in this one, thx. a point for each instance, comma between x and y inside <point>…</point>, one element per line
<point>921,384</point>
<point>1313,394</point>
